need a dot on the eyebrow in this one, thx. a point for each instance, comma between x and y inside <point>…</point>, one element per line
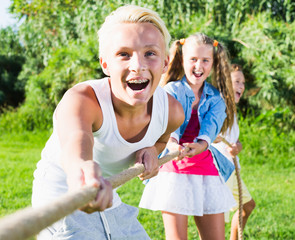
<point>146,46</point>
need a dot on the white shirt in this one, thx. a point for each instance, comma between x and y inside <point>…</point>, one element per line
<point>111,151</point>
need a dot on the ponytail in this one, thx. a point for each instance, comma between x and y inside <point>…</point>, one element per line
<point>175,69</point>
<point>221,79</point>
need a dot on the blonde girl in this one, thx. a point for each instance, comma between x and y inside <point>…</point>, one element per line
<point>194,183</point>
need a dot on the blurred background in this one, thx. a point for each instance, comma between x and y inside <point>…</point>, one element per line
<point>47,46</point>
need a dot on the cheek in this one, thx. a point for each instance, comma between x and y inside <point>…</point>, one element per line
<point>157,65</point>
<point>235,86</point>
<point>187,67</point>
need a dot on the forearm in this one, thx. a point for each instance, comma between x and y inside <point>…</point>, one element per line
<point>76,149</point>
<point>160,146</point>
<point>203,145</point>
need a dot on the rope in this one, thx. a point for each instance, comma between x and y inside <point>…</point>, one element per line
<point>240,228</point>
<point>30,221</point>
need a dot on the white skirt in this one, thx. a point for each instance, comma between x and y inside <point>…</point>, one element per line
<point>187,194</point>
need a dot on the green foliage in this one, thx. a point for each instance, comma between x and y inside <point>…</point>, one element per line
<point>69,65</point>
<point>11,61</point>
<point>9,42</point>
<point>266,140</point>
<point>11,91</point>
<point>60,43</point>
<point>267,48</point>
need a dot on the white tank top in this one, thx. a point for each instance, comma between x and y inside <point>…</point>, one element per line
<point>111,151</point>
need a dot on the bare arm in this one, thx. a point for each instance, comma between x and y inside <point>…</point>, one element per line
<point>149,156</point>
<point>78,114</point>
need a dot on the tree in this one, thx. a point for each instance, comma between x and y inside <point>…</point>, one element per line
<point>11,61</point>
<point>60,43</point>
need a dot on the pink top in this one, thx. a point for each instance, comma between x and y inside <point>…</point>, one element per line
<point>201,164</point>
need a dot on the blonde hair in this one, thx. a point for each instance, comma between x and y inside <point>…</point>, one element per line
<point>221,78</point>
<point>131,14</point>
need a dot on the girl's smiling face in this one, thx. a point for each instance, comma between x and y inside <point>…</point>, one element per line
<point>135,60</point>
<point>238,81</point>
<point>197,62</point>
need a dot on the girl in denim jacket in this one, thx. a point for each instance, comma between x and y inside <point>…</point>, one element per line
<point>193,184</point>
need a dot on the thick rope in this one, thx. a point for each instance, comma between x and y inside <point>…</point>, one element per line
<point>240,228</point>
<point>30,221</point>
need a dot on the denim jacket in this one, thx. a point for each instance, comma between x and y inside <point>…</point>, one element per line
<point>211,113</point>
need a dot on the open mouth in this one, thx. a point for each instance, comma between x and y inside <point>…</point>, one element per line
<point>238,94</point>
<point>198,74</point>
<point>137,85</point>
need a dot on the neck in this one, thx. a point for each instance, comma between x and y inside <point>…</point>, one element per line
<point>126,110</point>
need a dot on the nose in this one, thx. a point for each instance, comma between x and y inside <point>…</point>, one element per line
<point>137,63</point>
<point>198,64</point>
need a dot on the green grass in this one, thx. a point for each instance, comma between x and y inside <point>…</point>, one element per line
<point>19,153</point>
<point>270,182</point>
<point>273,217</point>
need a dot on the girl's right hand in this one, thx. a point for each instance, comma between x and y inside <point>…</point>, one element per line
<point>89,174</point>
<point>193,149</point>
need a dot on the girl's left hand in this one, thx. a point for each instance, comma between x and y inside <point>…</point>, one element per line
<point>234,150</point>
<point>218,139</point>
<point>149,157</point>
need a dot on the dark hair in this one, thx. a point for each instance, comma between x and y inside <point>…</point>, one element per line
<point>236,68</point>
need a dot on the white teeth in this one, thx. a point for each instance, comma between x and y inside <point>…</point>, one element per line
<point>198,73</point>
<point>138,81</point>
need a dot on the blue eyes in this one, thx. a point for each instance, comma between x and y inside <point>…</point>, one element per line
<point>148,54</point>
<point>195,60</point>
<point>127,55</point>
<point>123,54</point>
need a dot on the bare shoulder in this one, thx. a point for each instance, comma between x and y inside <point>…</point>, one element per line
<point>80,102</point>
<point>81,90</point>
<point>78,96</point>
<point>176,113</point>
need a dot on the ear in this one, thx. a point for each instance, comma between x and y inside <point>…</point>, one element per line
<point>166,63</point>
<point>104,66</point>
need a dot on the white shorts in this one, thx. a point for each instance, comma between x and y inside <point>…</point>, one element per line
<point>186,194</point>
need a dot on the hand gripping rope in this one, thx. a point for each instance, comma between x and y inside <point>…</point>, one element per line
<point>30,221</point>
<point>240,228</point>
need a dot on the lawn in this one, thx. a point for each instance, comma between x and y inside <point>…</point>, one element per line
<point>271,186</point>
